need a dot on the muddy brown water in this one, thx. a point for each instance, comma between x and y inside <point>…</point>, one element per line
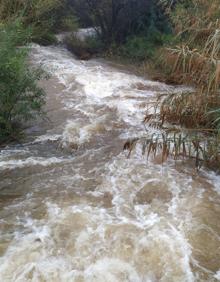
<point>73,207</point>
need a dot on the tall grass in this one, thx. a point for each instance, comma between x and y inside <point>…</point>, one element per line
<point>195,61</point>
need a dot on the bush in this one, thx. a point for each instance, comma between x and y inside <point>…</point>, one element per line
<point>20,97</point>
<point>84,49</point>
<point>43,37</point>
<point>138,48</point>
<point>45,17</point>
<point>143,47</point>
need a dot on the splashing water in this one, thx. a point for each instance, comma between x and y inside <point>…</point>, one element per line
<point>91,214</point>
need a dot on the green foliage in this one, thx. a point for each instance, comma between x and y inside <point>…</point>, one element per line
<point>120,19</point>
<point>20,97</point>
<point>84,48</point>
<point>138,48</point>
<point>69,22</point>
<point>43,36</point>
<point>127,29</point>
<point>44,16</point>
<point>94,44</point>
<point>142,48</point>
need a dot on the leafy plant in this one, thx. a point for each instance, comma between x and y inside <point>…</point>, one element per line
<point>21,99</point>
<point>85,48</point>
<point>44,16</point>
<point>138,48</point>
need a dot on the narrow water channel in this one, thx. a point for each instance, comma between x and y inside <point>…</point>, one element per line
<point>74,208</point>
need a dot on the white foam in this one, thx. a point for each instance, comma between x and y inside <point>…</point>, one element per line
<point>47,137</point>
<point>29,162</point>
<point>77,134</point>
<point>135,238</point>
<point>100,83</point>
<point>217,275</point>
<point>110,270</point>
<point>213,179</point>
<point>84,33</point>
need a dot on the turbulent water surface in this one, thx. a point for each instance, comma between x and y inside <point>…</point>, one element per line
<point>73,207</point>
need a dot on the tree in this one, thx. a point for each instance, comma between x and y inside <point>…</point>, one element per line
<point>116,19</point>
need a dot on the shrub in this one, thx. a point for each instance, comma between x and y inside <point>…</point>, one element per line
<point>43,37</point>
<point>20,97</point>
<point>69,22</point>
<point>45,17</point>
<point>84,49</point>
<point>138,48</point>
<point>143,47</point>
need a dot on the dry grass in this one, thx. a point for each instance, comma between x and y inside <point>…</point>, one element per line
<point>195,61</point>
<point>180,145</point>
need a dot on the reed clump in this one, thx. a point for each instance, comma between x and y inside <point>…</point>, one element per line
<point>194,59</point>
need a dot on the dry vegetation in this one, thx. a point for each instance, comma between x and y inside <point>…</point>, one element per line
<point>195,61</point>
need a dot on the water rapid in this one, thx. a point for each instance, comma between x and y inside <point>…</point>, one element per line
<point>74,208</point>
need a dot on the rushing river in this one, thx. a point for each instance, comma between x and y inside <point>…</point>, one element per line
<point>74,208</point>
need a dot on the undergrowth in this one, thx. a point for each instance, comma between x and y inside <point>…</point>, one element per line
<point>84,48</point>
